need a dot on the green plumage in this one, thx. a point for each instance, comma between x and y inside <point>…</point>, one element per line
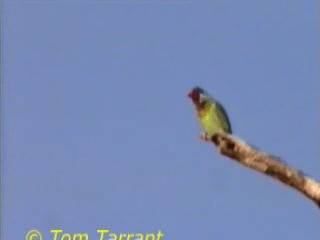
<point>214,118</point>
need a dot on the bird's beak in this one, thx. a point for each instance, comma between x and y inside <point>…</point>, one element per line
<point>189,95</point>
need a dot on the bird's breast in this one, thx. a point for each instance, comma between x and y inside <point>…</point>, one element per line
<point>202,110</point>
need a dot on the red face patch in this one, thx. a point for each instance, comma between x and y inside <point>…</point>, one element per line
<point>194,95</point>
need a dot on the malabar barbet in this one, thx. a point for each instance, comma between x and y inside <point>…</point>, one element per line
<point>211,114</point>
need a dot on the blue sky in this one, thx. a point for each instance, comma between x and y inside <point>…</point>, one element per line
<point>97,131</point>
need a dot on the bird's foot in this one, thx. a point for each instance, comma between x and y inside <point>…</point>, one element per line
<point>205,137</point>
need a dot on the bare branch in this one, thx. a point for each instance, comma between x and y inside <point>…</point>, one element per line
<point>266,164</point>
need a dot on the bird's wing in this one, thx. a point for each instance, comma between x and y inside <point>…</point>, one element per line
<point>223,116</point>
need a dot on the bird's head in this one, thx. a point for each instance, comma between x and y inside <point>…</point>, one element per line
<point>198,95</point>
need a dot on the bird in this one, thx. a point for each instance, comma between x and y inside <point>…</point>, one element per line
<point>211,114</point>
